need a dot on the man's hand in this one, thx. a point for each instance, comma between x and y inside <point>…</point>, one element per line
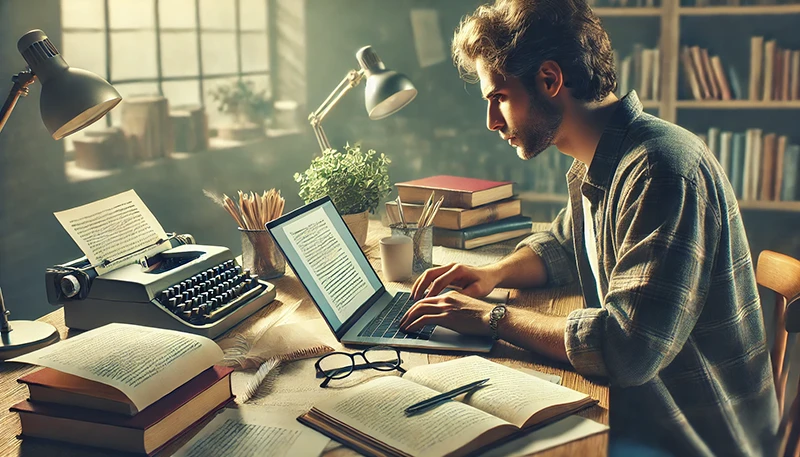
<point>474,281</point>
<point>454,310</point>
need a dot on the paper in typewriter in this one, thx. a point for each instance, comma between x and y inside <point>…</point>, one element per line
<point>118,229</point>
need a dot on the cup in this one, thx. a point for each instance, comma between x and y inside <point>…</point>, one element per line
<point>422,243</point>
<point>260,254</point>
<point>396,257</point>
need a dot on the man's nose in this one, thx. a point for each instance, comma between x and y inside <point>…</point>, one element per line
<point>494,120</point>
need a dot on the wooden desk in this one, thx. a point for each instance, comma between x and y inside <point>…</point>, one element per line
<point>554,301</point>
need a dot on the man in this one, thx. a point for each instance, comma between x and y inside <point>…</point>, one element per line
<point>652,231</point>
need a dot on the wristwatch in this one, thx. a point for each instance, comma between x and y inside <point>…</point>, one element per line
<point>499,312</point>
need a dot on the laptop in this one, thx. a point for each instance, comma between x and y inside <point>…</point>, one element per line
<point>349,294</point>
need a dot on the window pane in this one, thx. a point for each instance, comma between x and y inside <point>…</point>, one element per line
<point>219,53</point>
<point>254,52</point>
<point>179,54</point>
<point>180,93</point>
<point>128,91</point>
<point>176,14</point>
<point>133,55</point>
<point>131,14</point>
<point>83,14</point>
<point>86,50</point>
<point>253,14</point>
<point>216,14</point>
<point>260,83</point>
<point>215,117</point>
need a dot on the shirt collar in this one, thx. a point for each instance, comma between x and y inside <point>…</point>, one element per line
<point>609,148</point>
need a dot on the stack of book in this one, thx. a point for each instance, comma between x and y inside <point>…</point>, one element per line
<point>474,212</point>
<point>123,387</point>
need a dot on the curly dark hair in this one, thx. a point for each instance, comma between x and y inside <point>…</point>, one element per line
<point>514,38</point>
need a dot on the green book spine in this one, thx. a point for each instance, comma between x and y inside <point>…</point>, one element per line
<point>446,237</point>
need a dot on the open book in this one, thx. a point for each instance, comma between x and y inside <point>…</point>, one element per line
<point>143,363</point>
<point>371,418</point>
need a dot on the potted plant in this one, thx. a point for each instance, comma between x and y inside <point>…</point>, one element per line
<point>248,109</point>
<point>356,182</point>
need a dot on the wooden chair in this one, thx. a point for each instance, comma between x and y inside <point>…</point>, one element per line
<point>781,274</point>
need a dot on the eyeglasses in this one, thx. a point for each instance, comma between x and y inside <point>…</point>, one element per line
<point>338,365</point>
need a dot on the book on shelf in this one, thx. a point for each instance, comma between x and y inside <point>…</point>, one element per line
<point>791,163</point>
<point>756,61</point>
<point>123,387</point>
<point>481,235</point>
<point>459,218</point>
<point>458,191</point>
<point>370,417</point>
<point>690,74</point>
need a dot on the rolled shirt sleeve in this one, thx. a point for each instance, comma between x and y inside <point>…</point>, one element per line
<point>666,237</point>
<point>555,247</point>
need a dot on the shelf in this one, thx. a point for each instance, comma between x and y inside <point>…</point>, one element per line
<point>736,104</point>
<point>738,10</point>
<point>649,104</point>
<point>758,205</point>
<point>627,12</point>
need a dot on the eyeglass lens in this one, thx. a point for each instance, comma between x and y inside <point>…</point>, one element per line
<point>338,365</point>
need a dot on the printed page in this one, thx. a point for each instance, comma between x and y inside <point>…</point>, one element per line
<point>509,394</point>
<point>113,228</point>
<point>377,409</point>
<point>569,429</point>
<point>255,430</point>
<point>331,264</point>
<point>144,363</point>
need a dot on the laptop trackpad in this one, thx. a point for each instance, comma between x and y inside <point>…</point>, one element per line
<point>445,335</point>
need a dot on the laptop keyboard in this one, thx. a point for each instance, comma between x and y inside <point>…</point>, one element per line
<point>387,323</point>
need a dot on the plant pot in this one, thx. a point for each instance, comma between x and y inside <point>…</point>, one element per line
<point>358,224</point>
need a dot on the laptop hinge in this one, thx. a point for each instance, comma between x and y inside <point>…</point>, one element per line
<point>359,312</point>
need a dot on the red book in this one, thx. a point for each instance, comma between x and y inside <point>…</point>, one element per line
<point>458,192</point>
<point>146,432</point>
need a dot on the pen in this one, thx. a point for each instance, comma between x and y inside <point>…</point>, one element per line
<point>441,398</point>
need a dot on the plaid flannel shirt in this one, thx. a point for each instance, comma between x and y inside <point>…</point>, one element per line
<point>679,333</point>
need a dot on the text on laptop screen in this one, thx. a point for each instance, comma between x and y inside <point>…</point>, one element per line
<point>328,261</point>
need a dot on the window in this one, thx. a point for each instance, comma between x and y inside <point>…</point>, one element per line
<point>181,49</point>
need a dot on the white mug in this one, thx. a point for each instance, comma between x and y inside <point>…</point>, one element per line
<point>396,257</point>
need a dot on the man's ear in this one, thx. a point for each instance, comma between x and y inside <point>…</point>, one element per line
<point>551,78</point>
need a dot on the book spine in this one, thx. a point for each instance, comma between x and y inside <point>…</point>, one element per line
<point>790,171</point>
<point>756,60</point>
<point>737,162</point>
<point>420,195</point>
<point>504,225</point>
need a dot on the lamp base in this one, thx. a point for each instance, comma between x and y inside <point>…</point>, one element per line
<point>26,336</point>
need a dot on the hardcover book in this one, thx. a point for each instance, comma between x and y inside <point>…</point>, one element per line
<point>459,218</point>
<point>458,192</point>
<point>144,433</point>
<point>167,379</point>
<point>371,419</point>
<point>481,235</point>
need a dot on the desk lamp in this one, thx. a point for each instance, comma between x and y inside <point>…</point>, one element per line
<point>386,93</point>
<point>71,99</point>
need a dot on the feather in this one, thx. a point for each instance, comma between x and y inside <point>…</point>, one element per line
<point>214,197</point>
<point>240,349</point>
<point>254,382</point>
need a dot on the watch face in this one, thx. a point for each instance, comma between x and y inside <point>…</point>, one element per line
<point>498,312</point>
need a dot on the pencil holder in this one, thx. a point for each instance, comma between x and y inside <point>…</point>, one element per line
<point>422,242</point>
<point>260,254</point>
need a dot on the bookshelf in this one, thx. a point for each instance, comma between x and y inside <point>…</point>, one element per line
<point>673,20</point>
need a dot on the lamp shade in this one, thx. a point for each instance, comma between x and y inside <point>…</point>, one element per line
<point>387,91</point>
<point>71,98</point>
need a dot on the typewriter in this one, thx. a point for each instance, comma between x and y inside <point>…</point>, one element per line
<point>188,287</point>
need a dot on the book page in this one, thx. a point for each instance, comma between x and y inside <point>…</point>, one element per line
<point>254,430</point>
<point>330,263</point>
<point>144,363</point>
<point>118,229</point>
<point>377,409</point>
<point>510,394</point>
<point>569,429</point>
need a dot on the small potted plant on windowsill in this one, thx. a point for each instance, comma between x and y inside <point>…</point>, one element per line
<point>248,109</point>
<point>356,181</point>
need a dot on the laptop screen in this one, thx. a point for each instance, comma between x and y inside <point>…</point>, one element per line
<point>326,259</point>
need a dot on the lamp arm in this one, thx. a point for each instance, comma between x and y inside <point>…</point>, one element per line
<point>351,80</point>
<point>20,88</point>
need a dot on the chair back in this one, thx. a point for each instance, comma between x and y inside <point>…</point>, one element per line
<point>781,274</point>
